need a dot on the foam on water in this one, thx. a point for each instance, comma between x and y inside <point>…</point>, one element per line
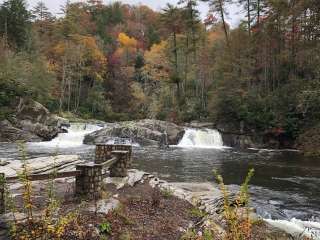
<point>73,138</point>
<point>298,228</point>
<point>204,138</point>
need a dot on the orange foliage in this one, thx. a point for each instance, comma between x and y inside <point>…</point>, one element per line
<point>82,50</point>
<point>89,48</point>
<point>215,34</point>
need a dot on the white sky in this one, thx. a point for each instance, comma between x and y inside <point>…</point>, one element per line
<point>233,18</point>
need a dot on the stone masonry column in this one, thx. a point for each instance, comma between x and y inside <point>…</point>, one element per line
<point>120,167</point>
<point>89,182</point>
<point>104,152</point>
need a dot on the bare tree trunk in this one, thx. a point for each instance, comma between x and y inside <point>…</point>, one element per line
<point>223,21</point>
<point>258,12</point>
<point>175,52</point>
<point>62,88</point>
<point>186,72</point>
<point>249,17</point>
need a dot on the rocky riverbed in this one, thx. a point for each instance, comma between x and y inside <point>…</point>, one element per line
<point>177,201</point>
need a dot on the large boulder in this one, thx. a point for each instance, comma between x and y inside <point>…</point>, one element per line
<point>174,132</point>
<point>9,133</point>
<point>32,123</point>
<point>145,132</point>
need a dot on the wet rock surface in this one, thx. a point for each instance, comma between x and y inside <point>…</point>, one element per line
<point>32,122</point>
<point>42,165</point>
<point>144,132</point>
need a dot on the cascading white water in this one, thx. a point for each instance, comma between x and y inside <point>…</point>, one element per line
<point>201,138</point>
<point>73,138</point>
<point>298,228</point>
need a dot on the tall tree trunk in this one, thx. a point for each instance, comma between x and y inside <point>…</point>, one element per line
<point>186,71</point>
<point>223,21</point>
<point>62,88</point>
<point>258,12</point>
<point>249,17</point>
<point>175,52</point>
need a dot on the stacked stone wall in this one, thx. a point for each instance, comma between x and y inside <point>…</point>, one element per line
<point>89,182</point>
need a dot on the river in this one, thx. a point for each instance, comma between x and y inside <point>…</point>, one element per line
<point>285,189</point>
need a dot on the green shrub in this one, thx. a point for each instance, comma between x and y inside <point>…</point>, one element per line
<point>105,228</point>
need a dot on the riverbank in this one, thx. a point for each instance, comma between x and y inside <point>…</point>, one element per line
<point>276,194</point>
<point>32,122</point>
<point>140,206</point>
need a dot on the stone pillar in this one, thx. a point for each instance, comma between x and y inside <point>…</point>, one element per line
<point>103,152</point>
<point>2,194</point>
<point>89,182</point>
<point>127,148</point>
<point>120,167</point>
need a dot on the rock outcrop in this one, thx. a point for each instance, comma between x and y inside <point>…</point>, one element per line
<point>242,136</point>
<point>10,133</point>
<point>32,122</point>
<point>309,141</point>
<point>144,132</point>
<point>42,165</point>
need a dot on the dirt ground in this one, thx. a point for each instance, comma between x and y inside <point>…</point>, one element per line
<point>149,214</point>
<point>144,213</point>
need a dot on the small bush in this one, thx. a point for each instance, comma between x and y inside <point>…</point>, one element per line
<point>51,223</point>
<point>238,221</point>
<point>197,213</point>
<point>105,228</point>
<point>167,192</point>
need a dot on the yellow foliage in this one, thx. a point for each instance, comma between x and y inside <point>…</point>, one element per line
<point>137,92</point>
<point>82,51</point>
<point>91,48</point>
<point>127,41</point>
<point>86,47</point>
<point>59,49</point>
<point>157,65</point>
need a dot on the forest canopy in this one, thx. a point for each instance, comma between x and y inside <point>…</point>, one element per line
<point>120,61</point>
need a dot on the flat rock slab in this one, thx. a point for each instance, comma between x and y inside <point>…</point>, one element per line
<point>104,206</point>
<point>134,177</point>
<point>41,164</point>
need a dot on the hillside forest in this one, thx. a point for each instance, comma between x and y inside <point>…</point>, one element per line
<point>120,62</point>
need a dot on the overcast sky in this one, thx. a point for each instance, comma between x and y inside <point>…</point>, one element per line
<point>233,18</point>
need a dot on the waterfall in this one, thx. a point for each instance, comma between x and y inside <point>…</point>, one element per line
<point>73,138</point>
<point>298,228</point>
<point>201,138</point>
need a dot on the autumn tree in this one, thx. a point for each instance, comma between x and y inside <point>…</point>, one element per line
<point>219,7</point>
<point>128,47</point>
<point>80,64</point>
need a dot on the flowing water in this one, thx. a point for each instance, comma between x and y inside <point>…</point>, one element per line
<point>284,189</point>
<point>206,138</point>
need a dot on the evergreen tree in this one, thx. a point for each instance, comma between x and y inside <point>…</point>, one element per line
<point>171,18</point>
<point>41,13</point>
<point>15,23</point>
<point>191,17</point>
<point>249,7</point>
<point>219,7</point>
<point>42,16</point>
